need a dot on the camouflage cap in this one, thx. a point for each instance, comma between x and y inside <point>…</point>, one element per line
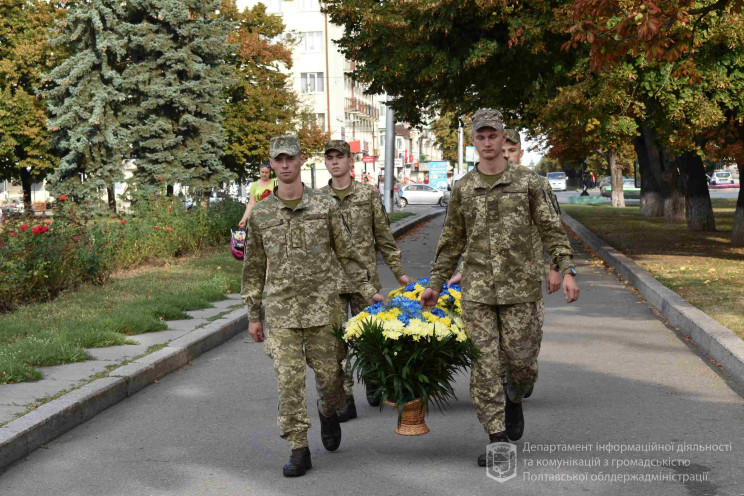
<point>338,145</point>
<point>513,136</point>
<point>287,144</point>
<point>488,118</point>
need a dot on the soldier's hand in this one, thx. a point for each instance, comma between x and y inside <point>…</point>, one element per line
<point>241,224</point>
<point>255,329</point>
<point>404,280</point>
<point>570,288</point>
<point>376,298</point>
<point>458,277</point>
<point>553,282</point>
<point>429,298</point>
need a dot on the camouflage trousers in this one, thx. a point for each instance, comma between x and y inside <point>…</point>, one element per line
<point>508,337</point>
<point>353,303</point>
<point>291,349</point>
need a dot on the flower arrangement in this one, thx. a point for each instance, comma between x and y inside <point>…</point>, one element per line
<point>409,352</point>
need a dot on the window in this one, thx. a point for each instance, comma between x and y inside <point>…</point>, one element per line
<point>273,6</point>
<point>311,42</point>
<point>312,82</point>
<point>309,5</point>
<point>383,110</point>
<point>320,120</point>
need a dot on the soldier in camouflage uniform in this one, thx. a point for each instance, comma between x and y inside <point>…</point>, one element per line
<point>488,223</point>
<point>299,232</point>
<point>361,207</point>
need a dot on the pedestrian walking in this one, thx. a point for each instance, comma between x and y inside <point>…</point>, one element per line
<point>260,189</point>
<point>299,232</point>
<point>362,210</point>
<point>488,224</point>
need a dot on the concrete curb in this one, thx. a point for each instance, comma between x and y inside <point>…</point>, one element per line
<point>33,430</point>
<point>402,226</point>
<point>712,338</point>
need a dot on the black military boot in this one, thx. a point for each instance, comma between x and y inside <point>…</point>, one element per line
<point>348,411</point>
<point>528,393</point>
<point>299,463</point>
<point>330,431</point>
<point>373,396</point>
<point>513,418</point>
<point>499,437</point>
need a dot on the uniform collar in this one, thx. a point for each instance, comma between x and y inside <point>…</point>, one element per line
<point>506,176</point>
<point>307,193</point>
<point>352,188</point>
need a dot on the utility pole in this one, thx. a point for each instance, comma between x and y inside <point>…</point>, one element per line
<point>389,158</point>
<point>460,147</point>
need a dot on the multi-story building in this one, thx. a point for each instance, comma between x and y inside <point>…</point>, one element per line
<point>340,104</point>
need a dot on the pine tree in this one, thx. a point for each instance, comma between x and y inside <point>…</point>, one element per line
<point>86,101</point>
<point>175,75</point>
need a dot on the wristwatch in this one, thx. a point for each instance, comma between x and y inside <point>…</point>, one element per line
<point>571,270</point>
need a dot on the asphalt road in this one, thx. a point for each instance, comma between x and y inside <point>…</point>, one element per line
<point>623,405</point>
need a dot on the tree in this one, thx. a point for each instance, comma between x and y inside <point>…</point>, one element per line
<point>445,129</point>
<point>86,101</point>
<point>175,76</point>
<point>590,116</point>
<point>24,54</point>
<point>260,104</point>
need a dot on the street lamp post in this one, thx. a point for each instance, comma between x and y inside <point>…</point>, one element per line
<point>389,158</point>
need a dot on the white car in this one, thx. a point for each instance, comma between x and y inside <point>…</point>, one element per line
<point>422,194</point>
<point>721,177</point>
<point>557,180</point>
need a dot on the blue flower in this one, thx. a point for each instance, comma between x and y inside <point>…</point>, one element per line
<point>438,312</point>
<point>375,309</point>
<point>411,286</point>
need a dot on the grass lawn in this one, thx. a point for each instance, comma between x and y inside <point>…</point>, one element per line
<point>94,316</point>
<point>702,267</point>
<point>398,215</point>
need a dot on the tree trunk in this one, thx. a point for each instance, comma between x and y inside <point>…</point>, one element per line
<point>699,210</point>
<point>649,165</point>
<point>26,184</point>
<point>737,233</point>
<point>111,197</point>
<point>616,173</point>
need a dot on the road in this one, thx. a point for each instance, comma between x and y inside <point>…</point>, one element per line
<point>612,377</point>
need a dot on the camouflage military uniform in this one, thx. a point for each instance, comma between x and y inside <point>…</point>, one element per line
<point>363,212</point>
<point>491,228</point>
<point>302,302</point>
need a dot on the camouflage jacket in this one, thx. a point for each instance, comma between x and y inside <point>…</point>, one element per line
<point>491,228</point>
<point>363,212</point>
<point>300,246</point>
<point>535,231</point>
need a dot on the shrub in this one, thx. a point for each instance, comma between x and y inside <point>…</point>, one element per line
<point>42,257</point>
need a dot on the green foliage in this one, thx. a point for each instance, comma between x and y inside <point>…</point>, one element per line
<point>86,100</point>
<point>58,332</point>
<point>260,104</point>
<point>445,129</point>
<point>24,54</point>
<point>407,369</point>
<point>175,76</point>
<point>42,259</point>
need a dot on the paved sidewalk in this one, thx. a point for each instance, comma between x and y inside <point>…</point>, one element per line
<point>611,375</point>
<point>18,399</point>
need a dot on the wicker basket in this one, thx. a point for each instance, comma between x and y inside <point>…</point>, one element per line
<point>412,419</point>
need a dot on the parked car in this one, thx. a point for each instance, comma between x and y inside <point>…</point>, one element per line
<point>606,181</point>
<point>422,194</point>
<point>629,188</point>
<point>720,177</point>
<point>557,180</point>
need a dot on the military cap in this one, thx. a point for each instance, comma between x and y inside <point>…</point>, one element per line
<point>513,136</point>
<point>488,118</point>
<point>287,144</point>
<point>338,145</point>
